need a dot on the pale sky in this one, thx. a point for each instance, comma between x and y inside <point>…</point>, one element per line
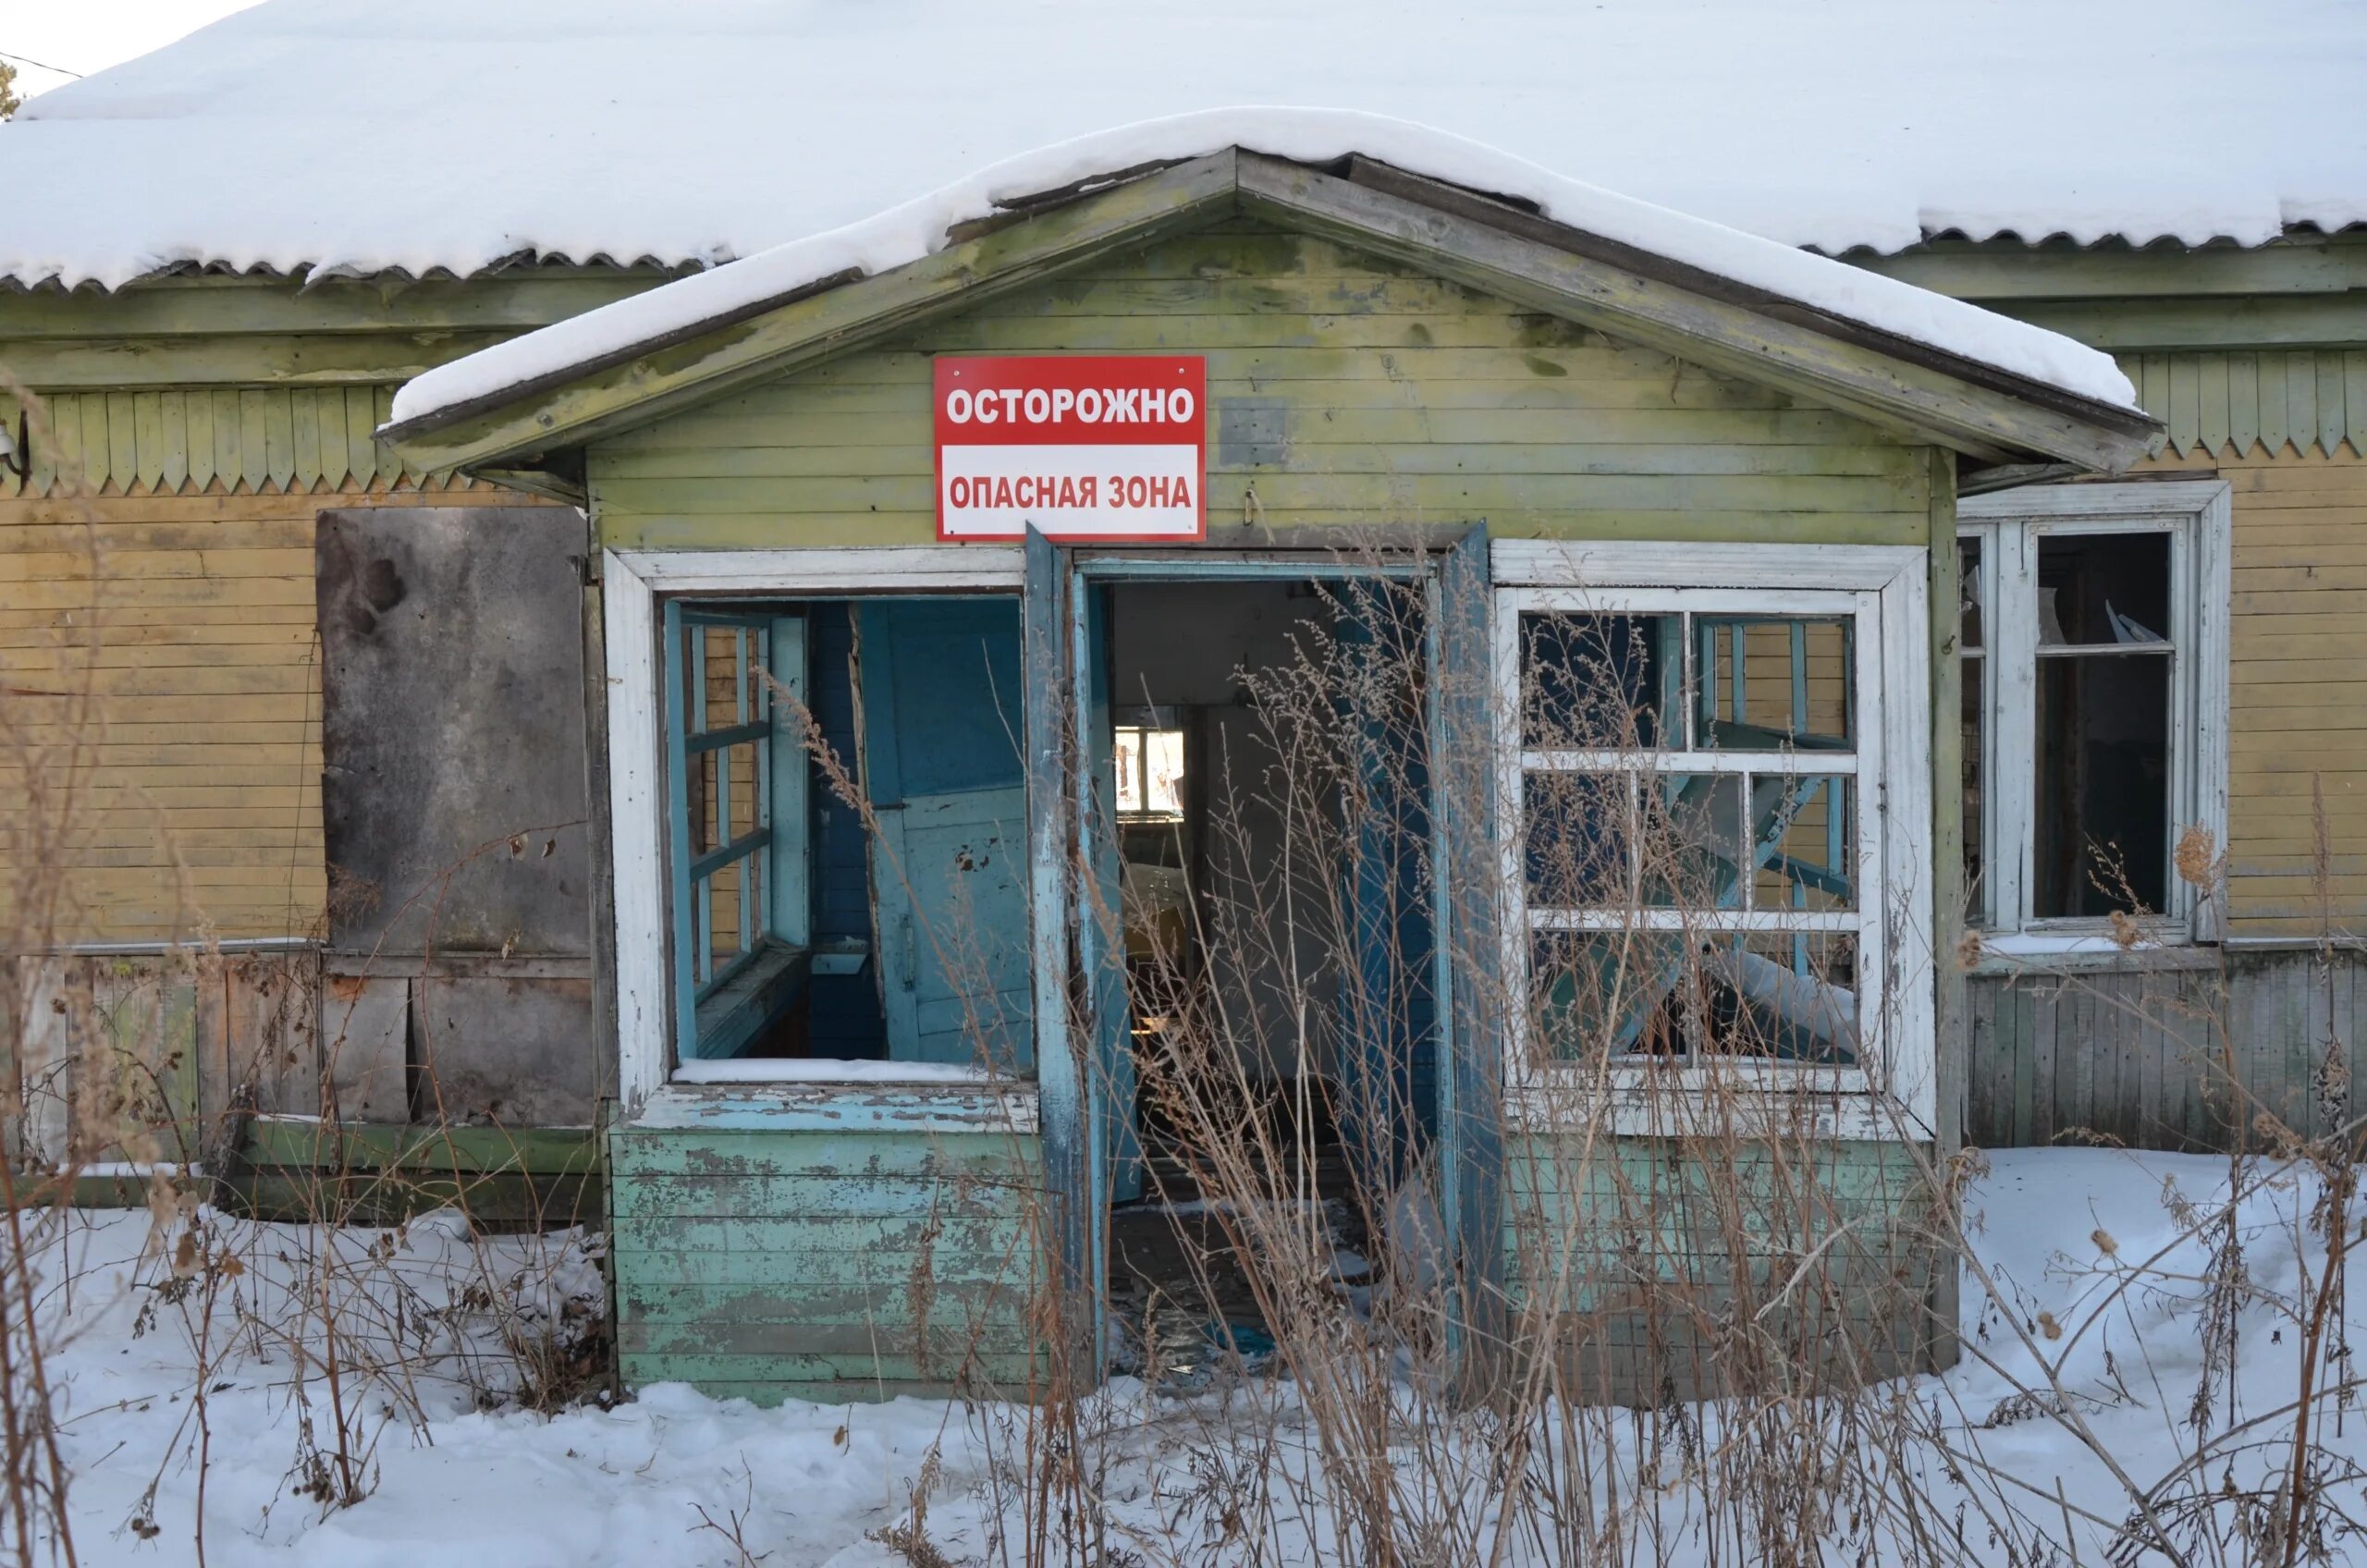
<point>86,36</point>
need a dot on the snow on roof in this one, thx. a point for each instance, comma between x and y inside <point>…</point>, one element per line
<point>365,135</point>
<point>907,233</point>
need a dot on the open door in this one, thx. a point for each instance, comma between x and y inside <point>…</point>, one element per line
<point>1102,947</point>
<point>940,701</point>
<point>1469,957</point>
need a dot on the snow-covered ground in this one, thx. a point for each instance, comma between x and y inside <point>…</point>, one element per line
<point>2089,1247</point>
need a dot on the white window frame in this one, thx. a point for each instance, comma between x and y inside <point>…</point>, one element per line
<point>1891,1092</point>
<point>2196,515</point>
<point>631,584</point>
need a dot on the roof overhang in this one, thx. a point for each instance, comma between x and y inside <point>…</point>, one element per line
<point>1991,416</point>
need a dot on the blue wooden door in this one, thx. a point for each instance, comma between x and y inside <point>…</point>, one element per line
<point>941,700</point>
<point>1101,935</point>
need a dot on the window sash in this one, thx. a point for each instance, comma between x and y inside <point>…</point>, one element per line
<point>2008,666</point>
<point>1532,1081</point>
<point>756,644</point>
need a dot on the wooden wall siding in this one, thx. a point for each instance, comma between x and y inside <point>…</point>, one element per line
<point>191,441</point>
<point>2273,399</point>
<point>143,1057</point>
<point>1661,1239</point>
<point>826,1265</point>
<point>2298,690</point>
<point>192,617</point>
<point>1345,390</point>
<point>2154,1058</point>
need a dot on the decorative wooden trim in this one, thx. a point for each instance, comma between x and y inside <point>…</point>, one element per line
<point>2226,403</point>
<point>198,440</point>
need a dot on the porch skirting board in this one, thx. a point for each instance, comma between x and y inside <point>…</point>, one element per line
<point>835,1265</point>
<point>2185,1054</point>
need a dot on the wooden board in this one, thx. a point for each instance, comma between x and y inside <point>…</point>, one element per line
<point>826,1264</point>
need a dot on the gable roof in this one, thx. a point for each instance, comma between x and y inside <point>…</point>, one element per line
<point>417,135</point>
<point>1912,361</point>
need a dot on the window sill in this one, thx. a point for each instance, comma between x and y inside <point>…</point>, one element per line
<point>1818,1102</point>
<point>778,1105</point>
<point>2022,952</point>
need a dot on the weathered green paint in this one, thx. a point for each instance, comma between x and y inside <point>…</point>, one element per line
<point>1614,1247</point>
<point>812,325</point>
<point>2213,403</point>
<point>1903,386</point>
<point>1374,396</point>
<point>178,441</point>
<point>538,1150</point>
<point>826,1263</point>
<point>1344,388</point>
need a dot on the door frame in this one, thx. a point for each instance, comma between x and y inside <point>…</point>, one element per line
<point>1082,1121</point>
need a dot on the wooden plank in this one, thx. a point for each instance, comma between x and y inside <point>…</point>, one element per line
<point>2333,421</point>
<point>303,439</point>
<point>1006,1372</point>
<point>2301,397</point>
<point>173,406</point>
<point>2243,401</point>
<point>148,439</point>
<point>252,464</point>
<point>789,1196</point>
<point>278,411</point>
<point>361,446</point>
<point>123,443</point>
<point>834,1268</point>
<point>365,1048</point>
<point>749,1155</point>
<point>476,1150</point>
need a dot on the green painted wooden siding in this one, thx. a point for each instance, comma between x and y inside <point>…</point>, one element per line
<point>190,440</point>
<point>1345,390</point>
<point>2223,403</point>
<point>826,1265</point>
<point>1623,1244</point>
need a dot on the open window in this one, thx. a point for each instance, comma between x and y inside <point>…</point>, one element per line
<point>1711,817</point>
<point>2093,640</point>
<point>846,814</point>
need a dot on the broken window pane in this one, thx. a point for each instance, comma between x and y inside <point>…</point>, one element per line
<point>1972,633</point>
<point>1578,828</point>
<point>2103,590</point>
<point>2102,796</point>
<point>1691,840</point>
<point>1600,682</point>
<point>1806,829</point>
<point>1772,685</point>
<point>1973,711</point>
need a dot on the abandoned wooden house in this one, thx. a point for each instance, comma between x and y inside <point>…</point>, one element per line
<point>744,754</point>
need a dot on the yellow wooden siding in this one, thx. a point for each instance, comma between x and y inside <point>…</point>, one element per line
<point>1343,389</point>
<point>2298,686</point>
<point>194,776</point>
